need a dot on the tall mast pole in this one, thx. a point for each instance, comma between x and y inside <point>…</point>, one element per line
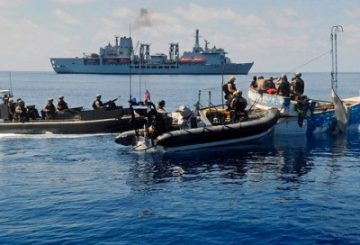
<point>334,70</point>
<point>130,82</point>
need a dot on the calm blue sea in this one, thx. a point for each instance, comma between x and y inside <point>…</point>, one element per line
<point>86,189</point>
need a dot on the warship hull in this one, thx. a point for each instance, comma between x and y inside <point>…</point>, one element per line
<point>77,65</point>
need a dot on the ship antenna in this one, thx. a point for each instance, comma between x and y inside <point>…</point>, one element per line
<point>222,84</point>
<point>11,90</point>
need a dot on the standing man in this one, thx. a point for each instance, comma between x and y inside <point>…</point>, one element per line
<point>284,86</point>
<point>229,88</point>
<point>297,86</point>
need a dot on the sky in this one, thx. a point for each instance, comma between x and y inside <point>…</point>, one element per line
<point>278,35</point>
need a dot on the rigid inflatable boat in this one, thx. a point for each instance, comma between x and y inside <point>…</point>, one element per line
<point>70,121</point>
<point>214,128</point>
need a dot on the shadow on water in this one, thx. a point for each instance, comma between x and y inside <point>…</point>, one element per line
<point>286,158</point>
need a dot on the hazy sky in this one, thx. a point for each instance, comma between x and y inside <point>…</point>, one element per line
<point>278,35</point>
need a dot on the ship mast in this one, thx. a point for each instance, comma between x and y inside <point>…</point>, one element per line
<point>197,44</point>
<point>334,72</point>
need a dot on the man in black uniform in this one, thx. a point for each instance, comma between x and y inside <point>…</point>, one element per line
<point>297,86</point>
<point>11,107</point>
<point>97,104</point>
<point>49,110</point>
<point>238,104</point>
<point>284,86</point>
<point>62,105</point>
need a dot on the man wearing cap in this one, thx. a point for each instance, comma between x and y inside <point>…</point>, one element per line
<point>97,104</point>
<point>62,105</point>
<point>49,110</point>
<point>297,86</point>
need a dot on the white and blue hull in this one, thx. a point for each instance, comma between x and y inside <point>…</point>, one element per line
<point>315,122</point>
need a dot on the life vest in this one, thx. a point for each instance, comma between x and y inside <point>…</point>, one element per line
<point>299,86</point>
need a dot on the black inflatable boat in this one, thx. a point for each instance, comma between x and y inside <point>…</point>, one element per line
<point>210,132</point>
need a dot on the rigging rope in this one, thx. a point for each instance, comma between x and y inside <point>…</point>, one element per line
<point>310,61</point>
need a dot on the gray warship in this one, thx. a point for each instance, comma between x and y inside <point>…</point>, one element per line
<point>121,59</point>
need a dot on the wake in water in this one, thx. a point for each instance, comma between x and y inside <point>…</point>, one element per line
<point>49,136</point>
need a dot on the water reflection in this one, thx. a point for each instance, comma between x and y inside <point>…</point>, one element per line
<point>286,159</point>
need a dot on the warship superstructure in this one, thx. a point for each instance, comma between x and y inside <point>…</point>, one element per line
<point>121,59</point>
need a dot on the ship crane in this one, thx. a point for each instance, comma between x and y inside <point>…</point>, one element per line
<point>144,52</point>
<point>206,45</point>
<point>174,52</point>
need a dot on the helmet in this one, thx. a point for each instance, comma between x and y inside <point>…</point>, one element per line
<point>232,79</point>
<point>297,74</point>
<point>282,75</point>
<point>162,103</point>
<point>61,97</point>
<point>98,96</point>
<point>50,99</point>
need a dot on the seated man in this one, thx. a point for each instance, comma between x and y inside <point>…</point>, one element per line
<point>253,83</point>
<point>11,108</point>
<point>161,109</point>
<point>238,105</point>
<point>269,86</point>
<point>20,111</point>
<point>97,104</point>
<point>62,105</point>
<point>49,110</point>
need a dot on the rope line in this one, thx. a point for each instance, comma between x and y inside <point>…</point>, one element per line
<point>310,61</point>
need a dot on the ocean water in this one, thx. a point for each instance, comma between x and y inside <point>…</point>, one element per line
<point>86,189</point>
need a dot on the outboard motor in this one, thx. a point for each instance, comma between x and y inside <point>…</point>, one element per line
<point>183,117</point>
